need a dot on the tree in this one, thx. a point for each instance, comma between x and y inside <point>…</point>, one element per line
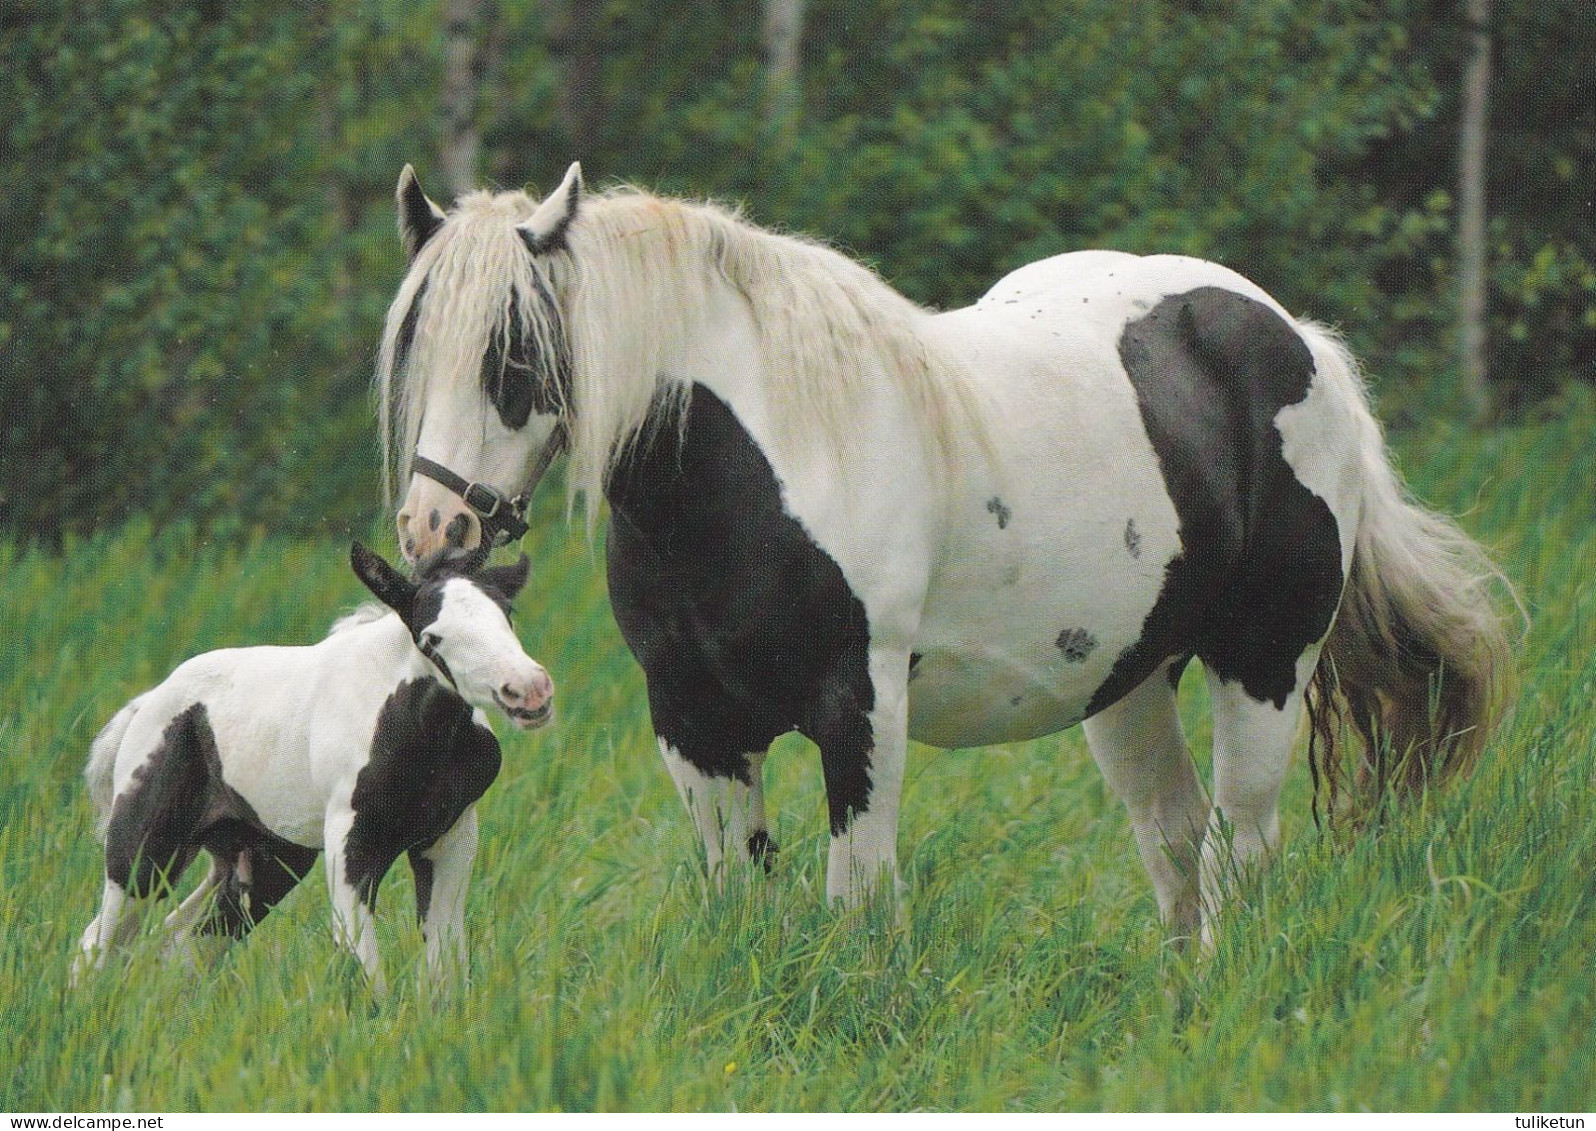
<point>1471,212</point>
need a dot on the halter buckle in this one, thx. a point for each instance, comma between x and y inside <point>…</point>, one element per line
<point>476,492</point>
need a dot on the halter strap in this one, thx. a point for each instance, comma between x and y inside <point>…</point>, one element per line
<point>503,519</point>
<point>431,653</point>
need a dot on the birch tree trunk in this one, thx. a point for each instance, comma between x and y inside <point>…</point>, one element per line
<point>782,38</point>
<point>572,30</point>
<point>1471,213</point>
<point>462,76</point>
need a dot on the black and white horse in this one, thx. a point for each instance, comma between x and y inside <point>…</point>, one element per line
<point>369,745</point>
<point>834,511</point>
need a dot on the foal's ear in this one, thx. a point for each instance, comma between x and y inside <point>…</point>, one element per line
<point>419,218</point>
<point>544,231</point>
<point>389,586</point>
<point>508,579</point>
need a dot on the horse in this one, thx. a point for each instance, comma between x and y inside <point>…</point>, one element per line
<point>834,511</point>
<point>368,745</point>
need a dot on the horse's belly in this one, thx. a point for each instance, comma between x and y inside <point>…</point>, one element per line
<point>1026,677</point>
<point>1053,560</point>
<point>959,701</point>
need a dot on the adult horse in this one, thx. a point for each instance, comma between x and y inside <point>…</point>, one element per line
<point>834,511</point>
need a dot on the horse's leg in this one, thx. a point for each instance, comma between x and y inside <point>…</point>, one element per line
<point>180,924</point>
<point>107,932</point>
<point>727,808</point>
<point>256,878</point>
<point>862,753</point>
<point>1144,758</point>
<point>353,906</point>
<point>1252,750</point>
<point>443,872</point>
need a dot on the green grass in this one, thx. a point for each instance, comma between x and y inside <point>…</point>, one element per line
<point>1444,963</point>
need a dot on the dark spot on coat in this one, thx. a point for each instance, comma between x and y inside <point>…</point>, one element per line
<point>1076,644</point>
<point>429,762</point>
<point>744,627</point>
<point>1258,574</point>
<point>761,849</point>
<point>914,662</point>
<point>517,377</point>
<point>996,506</point>
<point>407,330</point>
<point>179,804</point>
<point>1133,538</point>
<point>417,221</point>
<point>422,868</point>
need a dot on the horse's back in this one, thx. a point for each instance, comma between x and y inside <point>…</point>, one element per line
<point>253,708</point>
<point>1137,493</point>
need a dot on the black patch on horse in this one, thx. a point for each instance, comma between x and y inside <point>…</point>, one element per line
<point>152,826</point>
<point>274,867</point>
<point>180,804</point>
<point>1133,538</point>
<point>429,761</point>
<point>518,381</point>
<point>744,627</point>
<point>418,222</point>
<point>422,868</point>
<point>761,849</point>
<point>997,507</point>
<point>407,329</point>
<point>1258,575</point>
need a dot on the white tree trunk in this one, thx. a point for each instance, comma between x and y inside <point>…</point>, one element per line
<point>1471,213</point>
<point>783,36</point>
<point>462,141</point>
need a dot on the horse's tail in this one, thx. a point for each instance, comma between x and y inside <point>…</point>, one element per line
<point>100,773</point>
<point>1419,659</point>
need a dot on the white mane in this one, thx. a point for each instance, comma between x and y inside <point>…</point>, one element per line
<point>368,613</point>
<point>633,286</point>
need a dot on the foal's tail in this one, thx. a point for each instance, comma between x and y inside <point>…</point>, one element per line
<point>100,773</point>
<point>1419,659</point>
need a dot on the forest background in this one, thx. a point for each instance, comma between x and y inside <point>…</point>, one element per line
<point>197,239</point>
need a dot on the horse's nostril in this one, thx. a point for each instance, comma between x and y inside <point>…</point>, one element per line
<point>508,693</point>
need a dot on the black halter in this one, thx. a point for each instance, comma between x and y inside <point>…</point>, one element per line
<point>503,519</point>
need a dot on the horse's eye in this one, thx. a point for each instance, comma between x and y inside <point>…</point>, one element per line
<point>429,641</point>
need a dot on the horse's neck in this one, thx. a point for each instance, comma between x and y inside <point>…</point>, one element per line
<point>724,354</point>
<point>382,649</point>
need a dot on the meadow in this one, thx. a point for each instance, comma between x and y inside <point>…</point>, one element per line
<point>1440,961</point>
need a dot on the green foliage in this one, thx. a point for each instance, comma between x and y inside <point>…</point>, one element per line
<point>198,233</point>
<point>1439,965</point>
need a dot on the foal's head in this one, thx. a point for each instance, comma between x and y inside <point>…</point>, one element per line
<point>458,613</point>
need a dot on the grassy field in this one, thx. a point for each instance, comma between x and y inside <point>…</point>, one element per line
<point>1445,963</point>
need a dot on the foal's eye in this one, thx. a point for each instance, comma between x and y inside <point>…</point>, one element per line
<point>430,640</point>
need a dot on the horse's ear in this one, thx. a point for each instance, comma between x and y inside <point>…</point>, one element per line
<point>508,579</point>
<point>419,218</point>
<point>387,584</point>
<point>545,230</point>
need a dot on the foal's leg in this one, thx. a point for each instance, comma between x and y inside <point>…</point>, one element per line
<point>353,906</point>
<point>727,810</point>
<point>1143,754</point>
<point>443,872</point>
<point>181,923</point>
<point>863,753</point>
<point>1252,750</point>
<point>107,932</point>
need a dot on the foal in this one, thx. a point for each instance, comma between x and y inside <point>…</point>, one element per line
<point>369,745</point>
